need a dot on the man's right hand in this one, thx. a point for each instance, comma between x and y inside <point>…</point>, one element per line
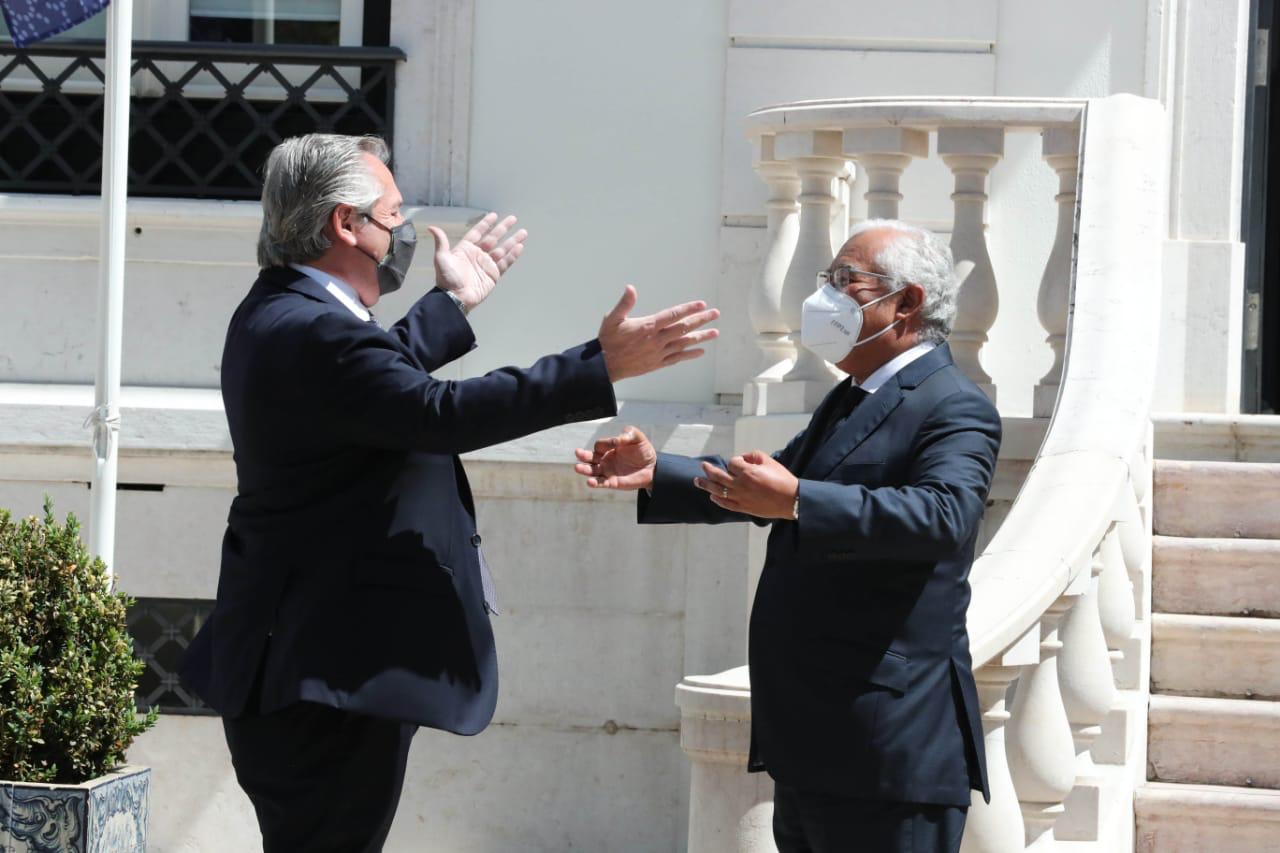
<point>624,462</point>
<point>634,346</point>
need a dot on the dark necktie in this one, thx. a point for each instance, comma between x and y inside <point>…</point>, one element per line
<point>842,408</point>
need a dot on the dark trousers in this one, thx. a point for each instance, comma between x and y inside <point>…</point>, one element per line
<point>321,780</point>
<point>810,822</point>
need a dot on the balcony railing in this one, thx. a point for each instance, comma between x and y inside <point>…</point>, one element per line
<point>1061,603</point>
<point>203,117</point>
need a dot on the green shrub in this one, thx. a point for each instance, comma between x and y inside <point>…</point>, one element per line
<point>67,669</point>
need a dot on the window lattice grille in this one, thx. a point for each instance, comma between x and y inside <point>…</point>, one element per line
<point>162,629</point>
<point>203,117</point>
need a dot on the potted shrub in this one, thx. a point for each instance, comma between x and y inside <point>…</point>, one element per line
<point>67,707</point>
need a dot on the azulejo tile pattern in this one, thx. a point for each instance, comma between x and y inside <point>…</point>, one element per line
<point>105,815</point>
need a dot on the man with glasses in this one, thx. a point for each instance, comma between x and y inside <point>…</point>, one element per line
<point>863,703</point>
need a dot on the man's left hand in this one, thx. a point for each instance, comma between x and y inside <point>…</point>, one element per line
<point>471,269</point>
<point>755,484</point>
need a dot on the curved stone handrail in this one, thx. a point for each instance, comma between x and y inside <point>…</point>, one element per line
<point>1103,413</point>
<point>927,113</point>
<point>1060,597</point>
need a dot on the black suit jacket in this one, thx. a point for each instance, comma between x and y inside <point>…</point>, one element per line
<point>861,680</point>
<point>352,540</point>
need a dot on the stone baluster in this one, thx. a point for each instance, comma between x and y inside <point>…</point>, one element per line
<point>817,159</point>
<point>1060,148</point>
<point>1088,693</point>
<point>884,153</point>
<point>840,210</point>
<point>971,153</point>
<point>765,303</point>
<point>996,827</point>
<point>1115,597</point>
<point>1135,551</point>
<point>858,187</point>
<point>1038,736</point>
<point>1140,474</point>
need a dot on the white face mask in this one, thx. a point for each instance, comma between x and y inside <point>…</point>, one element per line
<point>831,321</point>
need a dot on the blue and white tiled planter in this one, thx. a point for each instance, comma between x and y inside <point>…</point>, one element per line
<point>103,815</point>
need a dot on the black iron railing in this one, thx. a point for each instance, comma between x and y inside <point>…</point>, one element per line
<point>203,116</point>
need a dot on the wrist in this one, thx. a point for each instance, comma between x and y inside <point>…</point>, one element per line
<point>458,301</point>
<point>611,366</point>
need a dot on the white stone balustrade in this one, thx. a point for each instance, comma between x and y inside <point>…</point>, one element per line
<point>1058,615</point>
<point>1039,742</point>
<point>1088,694</point>
<point>1115,597</point>
<point>765,301</point>
<point>1060,147</point>
<point>884,154</point>
<point>971,153</point>
<point>818,161</point>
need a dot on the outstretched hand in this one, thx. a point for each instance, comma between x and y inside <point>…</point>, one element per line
<point>471,269</point>
<point>624,462</point>
<point>755,484</point>
<point>634,346</point>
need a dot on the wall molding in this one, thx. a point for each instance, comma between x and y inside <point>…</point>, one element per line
<point>433,99</point>
<point>864,44</point>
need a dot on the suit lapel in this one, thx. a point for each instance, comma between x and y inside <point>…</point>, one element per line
<point>872,412</point>
<point>864,421</point>
<point>817,426</point>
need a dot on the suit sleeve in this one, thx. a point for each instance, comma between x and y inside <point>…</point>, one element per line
<point>930,519</point>
<point>368,392</point>
<point>674,499</point>
<point>435,331</point>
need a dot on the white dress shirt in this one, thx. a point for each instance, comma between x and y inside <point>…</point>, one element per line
<point>343,292</point>
<point>890,368</point>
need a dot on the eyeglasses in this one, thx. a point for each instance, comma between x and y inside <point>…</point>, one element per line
<point>843,276</point>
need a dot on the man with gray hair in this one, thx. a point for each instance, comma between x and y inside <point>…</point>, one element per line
<point>354,599</point>
<point>863,703</point>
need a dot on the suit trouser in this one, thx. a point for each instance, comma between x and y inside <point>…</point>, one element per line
<point>321,780</point>
<point>810,822</point>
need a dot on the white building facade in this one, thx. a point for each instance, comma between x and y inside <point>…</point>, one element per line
<point>619,134</point>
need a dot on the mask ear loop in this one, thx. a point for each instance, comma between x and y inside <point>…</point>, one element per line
<point>857,344</point>
<point>391,245</point>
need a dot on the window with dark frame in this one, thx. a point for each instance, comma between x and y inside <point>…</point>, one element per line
<point>204,115</point>
<point>162,630</point>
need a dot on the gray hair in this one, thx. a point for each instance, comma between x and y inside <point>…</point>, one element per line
<point>306,178</point>
<point>917,256</point>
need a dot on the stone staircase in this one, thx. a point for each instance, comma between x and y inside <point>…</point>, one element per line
<point>1213,754</point>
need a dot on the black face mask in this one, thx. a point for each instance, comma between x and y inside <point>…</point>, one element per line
<point>395,265</point>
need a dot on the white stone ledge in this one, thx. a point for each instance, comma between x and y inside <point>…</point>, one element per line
<point>181,213</point>
<point>221,233</point>
<point>179,436</point>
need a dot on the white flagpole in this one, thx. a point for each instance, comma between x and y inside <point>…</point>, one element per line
<point>105,418</point>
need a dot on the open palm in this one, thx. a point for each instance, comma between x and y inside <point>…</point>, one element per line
<point>622,462</point>
<point>471,269</point>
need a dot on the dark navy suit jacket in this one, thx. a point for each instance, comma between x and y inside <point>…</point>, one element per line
<point>861,680</point>
<point>352,540</point>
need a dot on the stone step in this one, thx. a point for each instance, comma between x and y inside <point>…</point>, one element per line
<point>1229,500</point>
<point>1214,741</point>
<point>1201,818</point>
<point>1216,577</point>
<point>1226,656</point>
